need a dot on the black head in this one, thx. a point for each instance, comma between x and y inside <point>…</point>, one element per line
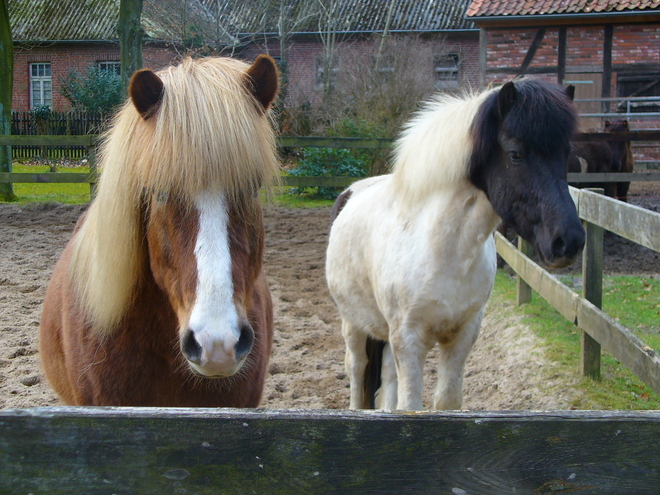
<point>521,138</point>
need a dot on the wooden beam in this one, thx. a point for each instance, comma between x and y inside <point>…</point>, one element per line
<point>48,177</point>
<point>561,55</point>
<point>523,290</point>
<point>608,31</point>
<point>552,290</point>
<point>592,291</point>
<point>632,222</point>
<point>632,352</point>
<point>532,51</point>
<point>158,450</point>
<point>87,140</point>
<point>330,142</point>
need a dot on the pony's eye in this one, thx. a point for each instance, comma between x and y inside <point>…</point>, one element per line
<point>515,156</point>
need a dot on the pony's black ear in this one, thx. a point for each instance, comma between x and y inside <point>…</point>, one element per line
<point>263,80</point>
<point>570,91</point>
<point>607,124</point>
<point>506,98</point>
<point>146,90</point>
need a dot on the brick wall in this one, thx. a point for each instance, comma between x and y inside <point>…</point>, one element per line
<point>631,45</point>
<point>65,58</point>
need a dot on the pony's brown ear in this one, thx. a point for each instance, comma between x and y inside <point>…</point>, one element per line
<point>506,98</point>
<point>264,80</point>
<point>570,91</point>
<point>146,90</point>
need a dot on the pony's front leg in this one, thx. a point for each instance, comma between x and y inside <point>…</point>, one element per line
<point>451,368</point>
<point>409,356</point>
<point>355,362</point>
<point>386,396</point>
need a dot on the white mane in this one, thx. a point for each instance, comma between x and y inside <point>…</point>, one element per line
<point>435,146</point>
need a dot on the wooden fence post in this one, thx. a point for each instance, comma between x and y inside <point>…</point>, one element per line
<point>524,291</point>
<point>91,162</point>
<point>592,291</point>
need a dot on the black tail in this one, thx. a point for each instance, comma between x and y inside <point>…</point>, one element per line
<point>372,380</point>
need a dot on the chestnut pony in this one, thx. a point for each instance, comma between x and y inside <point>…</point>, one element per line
<point>159,298</point>
<point>411,256</point>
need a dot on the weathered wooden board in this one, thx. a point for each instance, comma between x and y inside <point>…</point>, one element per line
<point>317,181</point>
<point>334,142</point>
<point>629,221</point>
<point>214,451</point>
<point>48,177</point>
<point>574,177</point>
<point>633,353</point>
<point>562,298</point>
<point>88,140</point>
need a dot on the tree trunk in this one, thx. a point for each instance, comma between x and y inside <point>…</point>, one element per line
<point>130,39</point>
<point>6,88</point>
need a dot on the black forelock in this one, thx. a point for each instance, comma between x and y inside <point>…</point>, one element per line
<point>542,116</point>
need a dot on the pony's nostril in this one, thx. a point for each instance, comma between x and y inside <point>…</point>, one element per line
<point>245,341</point>
<point>558,247</point>
<point>191,348</point>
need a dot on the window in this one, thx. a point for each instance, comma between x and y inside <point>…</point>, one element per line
<point>111,66</point>
<point>446,68</point>
<point>639,85</point>
<point>41,85</point>
<point>320,71</point>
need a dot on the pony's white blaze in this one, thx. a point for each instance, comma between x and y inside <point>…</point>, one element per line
<point>214,319</point>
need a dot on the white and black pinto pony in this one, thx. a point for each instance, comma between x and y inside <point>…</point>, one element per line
<point>411,257</point>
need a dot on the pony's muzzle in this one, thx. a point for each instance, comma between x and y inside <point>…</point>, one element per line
<point>217,357</point>
<point>564,249</point>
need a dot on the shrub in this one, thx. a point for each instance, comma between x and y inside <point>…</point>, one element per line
<point>327,162</point>
<point>100,91</point>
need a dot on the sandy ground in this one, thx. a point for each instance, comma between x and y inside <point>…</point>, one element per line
<point>507,368</point>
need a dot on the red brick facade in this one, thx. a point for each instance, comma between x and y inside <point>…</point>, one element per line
<point>67,57</point>
<point>632,45</point>
<point>301,62</point>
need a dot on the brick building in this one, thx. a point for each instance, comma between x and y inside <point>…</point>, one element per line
<point>607,49</point>
<point>52,38</point>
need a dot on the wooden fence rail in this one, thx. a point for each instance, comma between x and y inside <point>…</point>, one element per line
<point>634,223</point>
<point>90,142</point>
<point>66,450</point>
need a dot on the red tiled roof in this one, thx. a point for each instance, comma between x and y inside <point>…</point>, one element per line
<point>484,8</point>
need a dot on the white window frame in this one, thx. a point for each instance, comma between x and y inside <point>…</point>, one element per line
<point>41,84</point>
<point>113,66</point>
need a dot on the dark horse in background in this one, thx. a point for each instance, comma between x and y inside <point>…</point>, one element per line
<point>604,157</point>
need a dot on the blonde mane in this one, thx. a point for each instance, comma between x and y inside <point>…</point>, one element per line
<point>435,146</point>
<point>207,134</point>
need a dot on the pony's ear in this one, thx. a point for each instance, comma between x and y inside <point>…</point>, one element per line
<point>607,124</point>
<point>570,91</point>
<point>506,98</point>
<point>263,80</point>
<point>146,90</point>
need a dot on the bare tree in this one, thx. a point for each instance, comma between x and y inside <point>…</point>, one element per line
<point>130,39</point>
<point>6,89</point>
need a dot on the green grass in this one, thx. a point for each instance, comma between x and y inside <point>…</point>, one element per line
<point>626,298</point>
<point>61,193</point>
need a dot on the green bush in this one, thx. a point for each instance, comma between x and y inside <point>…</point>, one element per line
<point>100,91</point>
<point>327,162</point>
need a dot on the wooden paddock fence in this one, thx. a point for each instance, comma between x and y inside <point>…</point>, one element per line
<point>97,450</point>
<point>101,450</point>
<point>89,142</point>
<point>598,213</point>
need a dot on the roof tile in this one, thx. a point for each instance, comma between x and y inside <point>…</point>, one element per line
<point>483,8</point>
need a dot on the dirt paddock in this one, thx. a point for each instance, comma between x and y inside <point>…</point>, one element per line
<point>506,370</point>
